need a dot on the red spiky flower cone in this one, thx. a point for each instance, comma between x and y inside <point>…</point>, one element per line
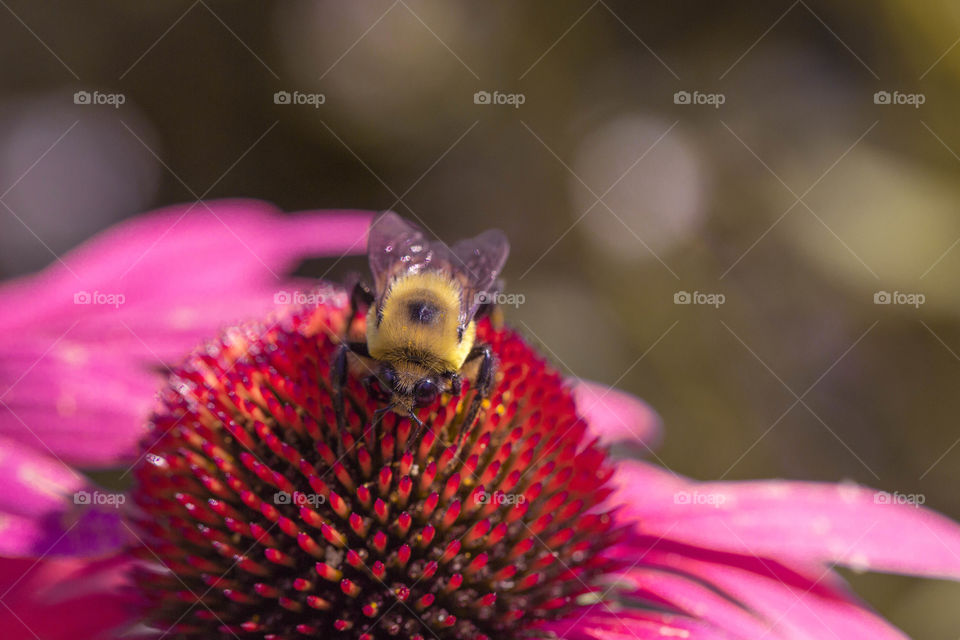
<point>254,526</point>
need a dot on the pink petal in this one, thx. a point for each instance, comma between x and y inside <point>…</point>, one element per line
<point>794,522</point>
<point>57,599</point>
<point>220,248</point>
<point>791,605</point>
<point>184,273</point>
<point>39,514</point>
<point>616,416</point>
<point>692,597</point>
<point>602,622</point>
<point>86,408</point>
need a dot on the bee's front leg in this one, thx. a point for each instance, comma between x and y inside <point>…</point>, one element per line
<point>483,383</point>
<point>338,380</point>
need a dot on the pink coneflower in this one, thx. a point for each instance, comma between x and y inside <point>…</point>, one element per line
<point>245,521</point>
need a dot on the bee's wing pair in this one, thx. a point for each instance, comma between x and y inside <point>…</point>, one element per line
<point>396,247</point>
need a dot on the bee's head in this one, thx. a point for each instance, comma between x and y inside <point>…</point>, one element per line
<point>405,387</point>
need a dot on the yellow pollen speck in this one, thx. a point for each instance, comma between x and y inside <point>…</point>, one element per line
<point>501,409</point>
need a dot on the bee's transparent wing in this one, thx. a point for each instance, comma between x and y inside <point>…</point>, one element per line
<point>477,262</point>
<point>396,246</point>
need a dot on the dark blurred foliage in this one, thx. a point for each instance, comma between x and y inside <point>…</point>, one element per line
<point>798,374</point>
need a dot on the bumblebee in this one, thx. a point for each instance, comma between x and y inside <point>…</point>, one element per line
<point>421,319</point>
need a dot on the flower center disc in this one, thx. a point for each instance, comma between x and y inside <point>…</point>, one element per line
<point>257,521</point>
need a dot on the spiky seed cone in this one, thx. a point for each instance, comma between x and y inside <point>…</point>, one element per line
<point>264,531</point>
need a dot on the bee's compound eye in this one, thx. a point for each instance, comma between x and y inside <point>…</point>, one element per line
<point>425,392</point>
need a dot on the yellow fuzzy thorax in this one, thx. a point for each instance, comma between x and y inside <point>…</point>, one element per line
<point>434,345</point>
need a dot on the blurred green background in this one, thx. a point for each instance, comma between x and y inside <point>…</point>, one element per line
<point>798,199</point>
